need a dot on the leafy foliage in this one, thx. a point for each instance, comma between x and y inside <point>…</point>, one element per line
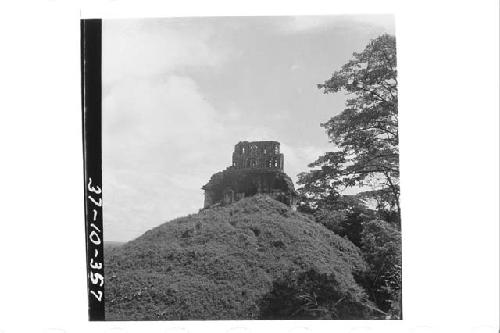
<point>345,217</point>
<point>219,263</point>
<point>312,295</point>
<point>365,133</point>
<point>365,155</point>
<point>344,225</point>
<point>381,246</point>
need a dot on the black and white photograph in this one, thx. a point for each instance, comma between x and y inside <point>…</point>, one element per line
<point>250,169</point>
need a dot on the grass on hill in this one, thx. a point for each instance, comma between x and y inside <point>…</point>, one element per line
<point>221,263</point>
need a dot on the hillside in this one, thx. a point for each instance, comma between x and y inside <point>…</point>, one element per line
<point>221,263</point>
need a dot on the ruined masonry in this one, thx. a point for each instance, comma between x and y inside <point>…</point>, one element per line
<point>257,169</point>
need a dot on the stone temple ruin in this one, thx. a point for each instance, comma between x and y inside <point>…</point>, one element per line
<point>257,169</point>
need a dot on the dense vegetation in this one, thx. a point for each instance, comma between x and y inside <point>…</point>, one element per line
<point>228,263</point>
<point>312,295</point>
<point>365,156</point>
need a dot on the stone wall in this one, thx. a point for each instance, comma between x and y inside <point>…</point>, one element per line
<point>258,155</point>
<point>257,169</point>
<point>234,184</point>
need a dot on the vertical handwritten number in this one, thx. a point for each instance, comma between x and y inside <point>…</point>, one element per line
<point>98,295</point>
<point>92,225</point>
<point>94,238</point>
<point>95,265</point>
<point>97,278</point>
<point>99,204</point>
<point>96,189</point>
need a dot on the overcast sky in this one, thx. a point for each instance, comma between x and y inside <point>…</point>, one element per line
<point>178,94</point>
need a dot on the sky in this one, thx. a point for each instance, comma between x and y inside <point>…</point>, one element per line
<point>179,93</point>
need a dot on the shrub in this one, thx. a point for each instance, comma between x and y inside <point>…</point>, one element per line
<point>343,223</point>
<point>219,263</point>
<point>381,247</point>
<point>312,295</point>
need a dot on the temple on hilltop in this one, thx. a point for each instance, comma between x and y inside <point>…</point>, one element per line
<point>257,168</point>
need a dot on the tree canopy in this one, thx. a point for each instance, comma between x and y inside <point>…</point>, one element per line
<point>364,134</point>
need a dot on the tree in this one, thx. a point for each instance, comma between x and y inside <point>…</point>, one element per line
<point>345,217</point>
<point>381,246</point>
<point>365,133</point>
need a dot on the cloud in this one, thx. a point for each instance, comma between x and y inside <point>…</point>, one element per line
<point>305,23</point>
<point>155,133</point>
<point>149,48</point>
<point>157,124</point>
<point>140,116</point>
<point>298,158</point>
<point>297,24</point>
<point>134,202</point>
